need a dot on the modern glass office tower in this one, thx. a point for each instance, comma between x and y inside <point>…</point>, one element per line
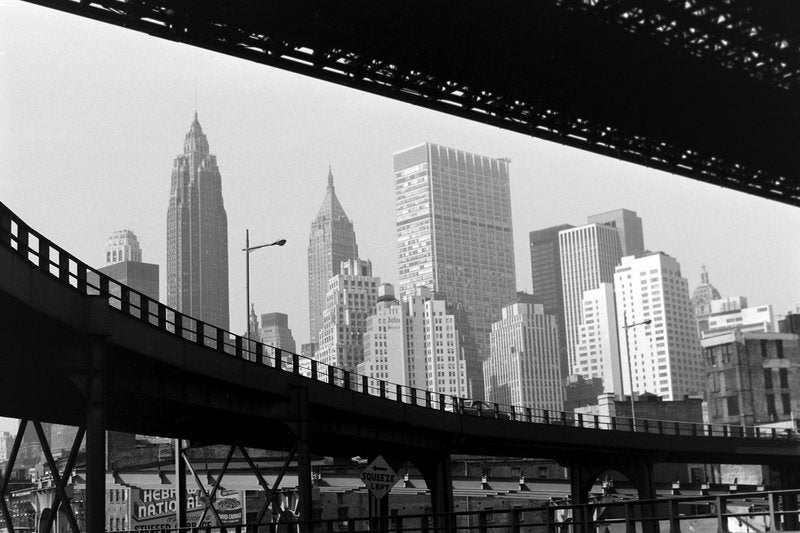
<point>331,242</point>
<point>454,235</point>
<point>197,234</point>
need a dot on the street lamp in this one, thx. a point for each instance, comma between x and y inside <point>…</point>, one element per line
<point>247,249</point>
<point>627,326</point>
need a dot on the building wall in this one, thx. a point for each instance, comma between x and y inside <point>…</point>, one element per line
<point>142,277</point>
<point>350,299</point>
<point>197,234</point>
<point>454,235</point>
<point>629,226</point>
<point>332,240</point>
<point>664,355</point>
<point>547,285</point>
<point>523,368</point>
<point>752,378</point>
<point>589,255</point>
<point>598,353</point>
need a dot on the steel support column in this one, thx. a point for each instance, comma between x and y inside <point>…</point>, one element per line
<point>642,476</point>
<point>790,479</point>
<point>180,484</point>
<point>437,470</point>
<point>304,481</point>
<point>96,437</point>
<point>581,478</point>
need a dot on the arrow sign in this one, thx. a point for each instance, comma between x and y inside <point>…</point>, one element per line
<point>379,477</point>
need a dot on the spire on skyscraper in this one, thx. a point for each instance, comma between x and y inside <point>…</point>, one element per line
<point>332,241</point>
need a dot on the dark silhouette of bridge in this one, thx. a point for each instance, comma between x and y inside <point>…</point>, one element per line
<point>702,89</point>
<point>82,349</point>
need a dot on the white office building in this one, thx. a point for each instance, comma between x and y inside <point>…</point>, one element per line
<point>589,255</point>
<point>350,299</point>
<point>733,313</point>
<point>664,355</point>
<point>523,368</point>
<point>598,353</point>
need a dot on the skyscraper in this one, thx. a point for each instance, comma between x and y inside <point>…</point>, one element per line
<point>597,354</point>
<point>351,298</point>
<point>701,301</point>
<point>589,255</point>
<point>523,368</point>
<point>197,234</point>
<point>547,286</point>
<point>331,242</point>
<point>629,226</point>
<point>664,355</point>
<point>124,264</point>
<point>454,235</point>
<point>275,331</point>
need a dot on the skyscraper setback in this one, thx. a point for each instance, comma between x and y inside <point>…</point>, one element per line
<point>331,242</point>
<point>197,234</point>
<point>454,235</point>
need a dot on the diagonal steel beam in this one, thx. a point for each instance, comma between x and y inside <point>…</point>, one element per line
<point>60,490</point>
<point>207,502</point>
<point>73,455</point>
<point>269,494</point>
<point>216,486</point>
<point>12,458</point>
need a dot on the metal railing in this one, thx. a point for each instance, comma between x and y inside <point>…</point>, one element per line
<point>760,511</point>
<point>55,261</point>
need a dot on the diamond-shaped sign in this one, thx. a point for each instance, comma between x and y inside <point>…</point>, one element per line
<point>379,477</point>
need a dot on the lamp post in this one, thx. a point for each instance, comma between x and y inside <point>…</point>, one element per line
<point>628,354</point>
<point>247,249</point>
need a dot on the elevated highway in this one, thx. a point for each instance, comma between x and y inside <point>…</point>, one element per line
<point>81,349</point>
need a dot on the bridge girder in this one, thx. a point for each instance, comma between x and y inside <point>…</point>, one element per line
<point>707,90</point>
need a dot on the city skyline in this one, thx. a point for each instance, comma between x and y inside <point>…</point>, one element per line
<point>276,133</point>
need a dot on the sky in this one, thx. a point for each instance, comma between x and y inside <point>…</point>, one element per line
<point>92,117</point>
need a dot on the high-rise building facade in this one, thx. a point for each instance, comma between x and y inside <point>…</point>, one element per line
<point>547,286</point>
<point>701,301</point>
<point>351,298</point>
<point>589,255</point>
<point>124,264</point>
<point>454,235</point>
<point>629,226</point>
<point>331,242</point>
<point>197,234</point>
<point>664,355</point>
<point>598,354</point>
<point>415,343</point>
<point>274,331</point>
<point>523,368</point>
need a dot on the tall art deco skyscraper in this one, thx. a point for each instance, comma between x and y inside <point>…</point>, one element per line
<point>454,236</point>
<point>197,234</point>
<point>332,241</point>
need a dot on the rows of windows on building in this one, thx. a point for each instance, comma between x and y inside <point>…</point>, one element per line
<point>606,314</point>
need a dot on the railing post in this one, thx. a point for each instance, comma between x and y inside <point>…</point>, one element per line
<point>178,322</point>
<point>481,521</point>
<point>63,266</point>
<point>314,369</point>
<point>528,414</point>
<point>546,416</point>
<point>722,520</point>
<point>515,520</point>
<point>81,275</point>
<point>332,375</point>
<point>382,389</point>
<point>725,431</point>
<point>365,384</point>
<point>44,254</point>
<point>614,423</point>
<point>774,518</point>
<point>442,401</point>
<point>674,517</point>
<point>630,523</point>
<point>278,359</point>
<point>398,391</point>
<point>413,395</point>
<point>427,399</point>
<point>259,353</point>
<point>346,378</point>
<point>295,363</point>
<point>677,428</point>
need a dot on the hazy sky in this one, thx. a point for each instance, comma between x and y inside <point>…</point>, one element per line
<point>93,115</point>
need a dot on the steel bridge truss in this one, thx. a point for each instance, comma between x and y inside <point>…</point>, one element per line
<point>746,108</point>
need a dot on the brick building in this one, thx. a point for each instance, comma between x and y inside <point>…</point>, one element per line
<point>752,378</point>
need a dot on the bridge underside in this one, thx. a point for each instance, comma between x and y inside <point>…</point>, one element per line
<point>706,90</point>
